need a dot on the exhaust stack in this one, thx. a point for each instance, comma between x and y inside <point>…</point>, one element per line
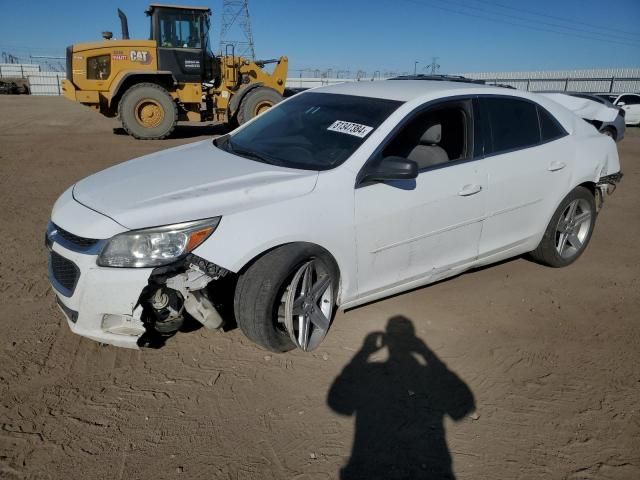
<point>124,24</point>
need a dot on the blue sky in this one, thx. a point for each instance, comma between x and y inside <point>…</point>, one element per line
<point>372,34</point>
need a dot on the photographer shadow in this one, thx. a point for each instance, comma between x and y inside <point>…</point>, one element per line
<point>399,405</point>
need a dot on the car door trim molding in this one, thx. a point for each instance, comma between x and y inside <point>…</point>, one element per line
<point>426,235</point>
<point>453,227</point>
<point>511,209</point>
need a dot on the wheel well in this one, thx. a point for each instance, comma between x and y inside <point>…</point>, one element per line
<point>165,81</point>
<point>591,186</point>
<point>311,244</point>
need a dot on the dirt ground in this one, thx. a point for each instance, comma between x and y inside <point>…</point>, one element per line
<point>516,371</point>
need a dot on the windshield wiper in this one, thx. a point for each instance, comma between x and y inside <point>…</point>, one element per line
<point>248,153</point>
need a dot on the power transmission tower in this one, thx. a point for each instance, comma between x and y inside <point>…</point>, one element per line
<point>236,28</point>
<point>434,66</point>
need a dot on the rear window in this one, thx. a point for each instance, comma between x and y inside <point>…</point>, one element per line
<point>630,99</point>
<point>550,129</point>
<point>514,124</point>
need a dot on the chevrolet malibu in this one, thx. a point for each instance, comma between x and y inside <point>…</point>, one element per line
<point>335,197</point>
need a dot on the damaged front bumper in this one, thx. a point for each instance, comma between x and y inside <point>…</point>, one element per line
<point>127,307</point>
<point>99,303</point>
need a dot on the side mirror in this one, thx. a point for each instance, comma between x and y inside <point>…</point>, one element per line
<point>621,104</point>
<point>391,168</point>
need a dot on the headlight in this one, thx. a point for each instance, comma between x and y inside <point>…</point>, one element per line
<point>153,247</point>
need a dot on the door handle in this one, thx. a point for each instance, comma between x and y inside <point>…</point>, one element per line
<point>470,190</point>
<point>555,166</point>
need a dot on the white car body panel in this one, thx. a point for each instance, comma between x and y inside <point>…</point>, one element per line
<point>525,188</point>
<point>136,193</point>
<point>410,229</point>
<point>385,237</point>
<point>584,108</point>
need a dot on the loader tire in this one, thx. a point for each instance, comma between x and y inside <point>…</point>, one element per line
<point>148,112</point>
<point>257,101</point>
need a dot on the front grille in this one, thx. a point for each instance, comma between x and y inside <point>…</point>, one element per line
<point>75,239</point>
<point>64,274</point>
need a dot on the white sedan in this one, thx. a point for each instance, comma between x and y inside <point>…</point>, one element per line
<point>335,197</point>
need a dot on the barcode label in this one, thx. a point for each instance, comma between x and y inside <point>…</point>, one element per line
<point>350,128</point>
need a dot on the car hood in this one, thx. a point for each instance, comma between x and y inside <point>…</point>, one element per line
<point>584,108</point>
<point>185,183</point>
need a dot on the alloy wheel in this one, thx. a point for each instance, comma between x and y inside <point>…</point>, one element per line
<point>308,305</point>
<point>573,228</point>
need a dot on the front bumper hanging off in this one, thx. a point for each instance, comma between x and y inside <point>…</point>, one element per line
<point>98,303</point>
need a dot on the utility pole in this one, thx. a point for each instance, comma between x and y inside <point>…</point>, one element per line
<point>415,67</point>
<point>236,13</point>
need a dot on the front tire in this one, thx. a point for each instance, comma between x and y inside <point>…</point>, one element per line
<point>148,112</point>
<point>569,230</point>
<point>286,298</point>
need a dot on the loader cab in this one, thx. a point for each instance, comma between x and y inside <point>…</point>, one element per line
<point>182,36</point>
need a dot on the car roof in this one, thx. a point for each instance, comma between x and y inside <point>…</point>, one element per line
<point>426,90</point>
<point>406,90</point>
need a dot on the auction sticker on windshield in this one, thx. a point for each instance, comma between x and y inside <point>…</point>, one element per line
<point>350,128</point>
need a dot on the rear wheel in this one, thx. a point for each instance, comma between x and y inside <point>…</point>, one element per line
<point>569,231</point>
<point>257,101</point>
<point>148,112</point>
<point>286,298</point>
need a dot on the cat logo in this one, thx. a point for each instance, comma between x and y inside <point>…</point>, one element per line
<point>140,56</point>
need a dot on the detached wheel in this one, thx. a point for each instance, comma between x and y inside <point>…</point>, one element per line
<point>569,231</point>
<point>286,298</point>
<point>257,101</point>
<point>148,112</point>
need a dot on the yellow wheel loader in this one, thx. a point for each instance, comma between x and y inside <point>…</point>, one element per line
<point>152,84</point>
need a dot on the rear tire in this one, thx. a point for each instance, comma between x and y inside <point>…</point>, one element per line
<point>261,289</point>
<point>148,112</point>
<point>257,101</point>
<point>569,230</point>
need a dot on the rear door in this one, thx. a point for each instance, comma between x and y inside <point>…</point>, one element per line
<point>528,157</point>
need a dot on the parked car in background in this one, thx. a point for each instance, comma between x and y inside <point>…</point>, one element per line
<point>598,111</point>
<point>333,198</point>
<point>630,103</point>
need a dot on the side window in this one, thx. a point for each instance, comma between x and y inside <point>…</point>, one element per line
<point>179,31</point>
<point>550,129</point>
<point>514,124</point>
<point>630,99</point>
<point>436,136</point>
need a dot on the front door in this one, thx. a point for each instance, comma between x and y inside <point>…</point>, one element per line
<point>411,230</point>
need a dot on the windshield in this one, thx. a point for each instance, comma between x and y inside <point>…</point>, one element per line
<point>311,131</point>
